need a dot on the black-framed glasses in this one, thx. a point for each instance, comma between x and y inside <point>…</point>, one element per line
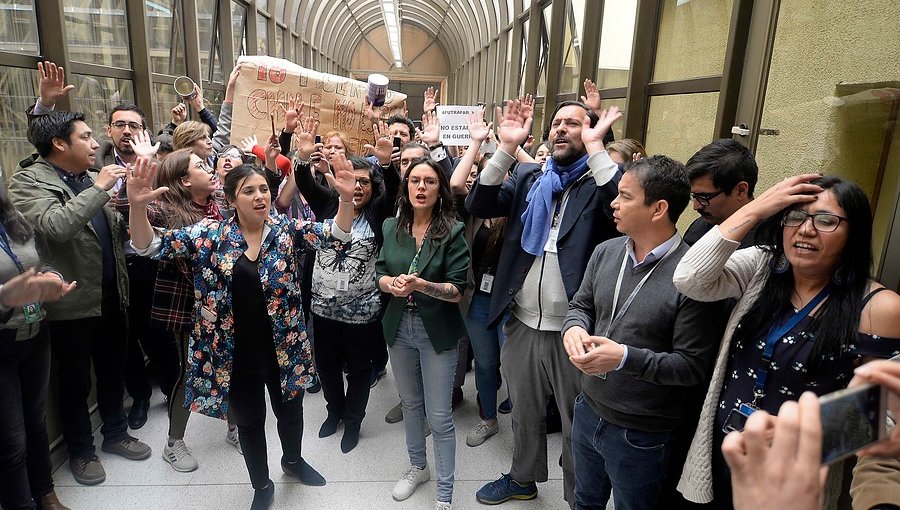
<point>364,182</point>
<point>822,222</point>
<point>121,124</point>
<point>704,198</point>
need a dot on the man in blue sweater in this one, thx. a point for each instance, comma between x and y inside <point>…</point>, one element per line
<point>638,342</point>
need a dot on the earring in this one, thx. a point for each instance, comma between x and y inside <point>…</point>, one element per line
<point>837,279</point>
<point>781,264</point>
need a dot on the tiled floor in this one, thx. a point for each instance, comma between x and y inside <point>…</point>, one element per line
<point>361,479</point>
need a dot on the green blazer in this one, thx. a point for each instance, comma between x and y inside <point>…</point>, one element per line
<point>444,262</point>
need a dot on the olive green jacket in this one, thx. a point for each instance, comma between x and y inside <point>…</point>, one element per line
<point>446,261</point>
<point>66,238</point>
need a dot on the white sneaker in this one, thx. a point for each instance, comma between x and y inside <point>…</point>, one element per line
<point>231,437</point>
<point>405,487</point>
<point>180,457</point>
<point>442,505</point>
<point>481,431</point>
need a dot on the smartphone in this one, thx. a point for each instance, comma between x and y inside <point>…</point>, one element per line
<point>272,117</point>
<point>852,419</point>
<point>318,139</point>
<point>397,142</point>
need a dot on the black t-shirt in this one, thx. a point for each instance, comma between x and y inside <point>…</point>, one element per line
<point>484,260</point>
<point>254,348</point>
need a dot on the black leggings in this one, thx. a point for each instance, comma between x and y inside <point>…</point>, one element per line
<point>247,403</point>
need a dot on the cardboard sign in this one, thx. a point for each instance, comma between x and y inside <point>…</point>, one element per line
<point>455,123</point>
<point>267,83</point>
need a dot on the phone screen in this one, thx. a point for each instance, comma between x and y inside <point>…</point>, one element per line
<point>397,142</point>
<point>318,139</point>
<point>851,419</point>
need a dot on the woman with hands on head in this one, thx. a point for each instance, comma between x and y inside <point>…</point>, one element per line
<point>423,265</point>
<point>25,473</point>
<point>242,269</point>
<point>807,310</point>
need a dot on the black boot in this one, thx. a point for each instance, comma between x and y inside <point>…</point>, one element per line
<point>350,439</point>
<point>304,472</point>
<point>262,498</point>
<point>329,426</point>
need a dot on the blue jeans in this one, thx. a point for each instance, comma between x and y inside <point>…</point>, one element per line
<point>412,355</point>
<point>608,458</point>
<point>485,344</point>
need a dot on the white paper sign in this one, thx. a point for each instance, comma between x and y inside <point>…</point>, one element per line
<point>455,123</point>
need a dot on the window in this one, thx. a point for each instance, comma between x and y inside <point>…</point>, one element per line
<point>616,38</point>
<point>17,92</point>
<point>239,28</point>
<point>210,45</point>
<point>96,32</point>
<point>573,32</point>
<point>18,28</point>
<point>96,96</point>
<point>262,34</point>
<point>692,39</point>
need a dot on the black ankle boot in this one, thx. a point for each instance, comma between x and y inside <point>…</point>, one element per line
<point>350,439</point>
<point>262,498</point>
<point>329,426</point>
<point>304,472</point>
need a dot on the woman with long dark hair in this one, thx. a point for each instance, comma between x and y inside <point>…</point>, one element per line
<point>248,330</point>
<point>807,310</point>
<point>26,480</point>
<point>423,265</point>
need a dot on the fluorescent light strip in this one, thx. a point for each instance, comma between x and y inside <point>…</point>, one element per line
<point>391,24</point>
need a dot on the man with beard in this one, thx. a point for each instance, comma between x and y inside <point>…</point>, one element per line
<point>556,218</point>
<point>723,175</point>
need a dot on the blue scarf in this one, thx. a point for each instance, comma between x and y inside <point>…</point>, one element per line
<point>537,216</point>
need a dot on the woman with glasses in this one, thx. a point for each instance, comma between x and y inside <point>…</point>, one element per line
<point>807,310</point>
<point>346,303</point>
<point>423,265</point>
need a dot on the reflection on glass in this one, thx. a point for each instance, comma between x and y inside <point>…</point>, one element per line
<point>239,28</point>
<point>678,126</point>
<point>96,96</point>
<point>572,42</point>
<point>165,32</point>
<point>279,9</point>
<point>616,37</point>
<point>18,27</point>
<point>542,52</point>
<point>164,99</point>
<point>210,46</point>
<point>262,34</point>
<point>17,93</point>
<point>523,58</point>
<point>692,39</point>
<point>279,42</point>
<point>96,32</point>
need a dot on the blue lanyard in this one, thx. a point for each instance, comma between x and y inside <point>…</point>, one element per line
<point>4,243</point>
<point>776,334</point>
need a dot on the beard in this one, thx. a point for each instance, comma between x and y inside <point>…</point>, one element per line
<point>567,156</point>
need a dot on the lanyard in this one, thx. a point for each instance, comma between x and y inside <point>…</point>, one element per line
<point>4,243</point>
<point>637,289</point>
<point>414,264</point>
<point>775,334</point>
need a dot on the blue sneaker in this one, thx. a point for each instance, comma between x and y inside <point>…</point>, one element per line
<point>505,489</point>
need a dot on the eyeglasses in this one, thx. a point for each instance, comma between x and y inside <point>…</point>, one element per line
<point>822,222</point>
<point>704,198</point>
<point>430,182</point>
<point>120,124</point>
<point>364,182</point>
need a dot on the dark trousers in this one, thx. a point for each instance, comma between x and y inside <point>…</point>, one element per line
<point>75,344</point>
<point>24,449</point>
<point>247,406</point>
<point>629,463</point>
<point>337,344</point>
<point>379,348</point>
<point>141,339</point>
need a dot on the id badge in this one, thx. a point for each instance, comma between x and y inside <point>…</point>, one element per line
<point>487,283</point>
<point>208,314</point>
<point>343,282</point>
<point>32,312</point>
<point>737,418</point>
<point>550,247</point>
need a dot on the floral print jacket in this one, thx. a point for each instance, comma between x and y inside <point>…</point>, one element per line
<point>211,248</point>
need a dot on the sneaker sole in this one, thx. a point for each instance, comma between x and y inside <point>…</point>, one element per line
<point>176,468</point>
<point>129,457</point>
<point>482,439</point>
<point>85,481</point>
<point>520,497</point>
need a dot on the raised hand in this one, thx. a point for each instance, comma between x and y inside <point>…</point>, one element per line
<point>273,149</point>
<point>373,112</point>
<point>52,85</point>
<point>478,130</point>
<point>179,113</point>
<point>430,134</point>
<point>513,125</point>
<point>887,374</point>
<point>592,137</point>
<point>344,180</point>
<point>591,96</point>
<point>197,100</point>
<point>140,144</point>
<point>306,138</point>
<point>248,143</point>
<point>430,103</point>
<point>229,89</point>
<point>383,147</point>
<point>526,106</point>
<point>139,183</point>
<point>291,115</point>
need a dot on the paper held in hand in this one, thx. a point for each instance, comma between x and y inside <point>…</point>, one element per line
<point>455,123</point>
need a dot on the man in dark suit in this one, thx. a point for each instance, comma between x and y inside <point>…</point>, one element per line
<point>556,218</point>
